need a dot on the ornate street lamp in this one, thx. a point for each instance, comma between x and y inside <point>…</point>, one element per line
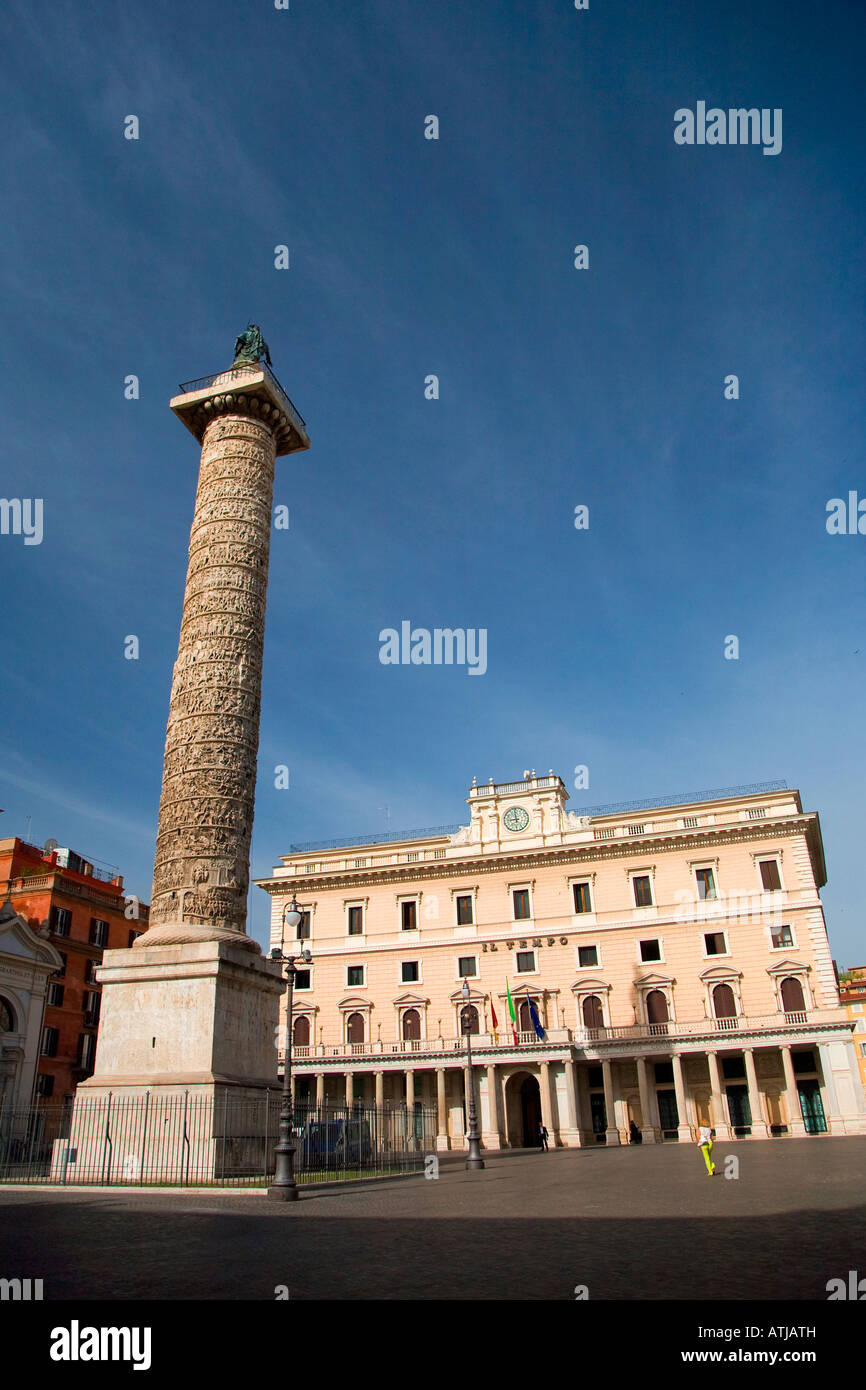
<point>284,1187</point>
<point>474,1159</point>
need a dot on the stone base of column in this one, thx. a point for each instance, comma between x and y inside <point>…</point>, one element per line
<point>187,934</point>
<point>612,1137</point>
<point>684,1134</point>
<point>201,1013</point>
<point>722,1132</point>
<point>760,1130</point>
<point>442,1142</point>
<point>569,1138</point>
<point>649,1135</point>
<point>490,1140</point>
<point>796,1129</point>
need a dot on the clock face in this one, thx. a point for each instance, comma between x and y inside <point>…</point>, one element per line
<point>516,818</point>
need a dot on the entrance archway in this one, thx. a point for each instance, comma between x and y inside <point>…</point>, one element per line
<point>522,1110</point>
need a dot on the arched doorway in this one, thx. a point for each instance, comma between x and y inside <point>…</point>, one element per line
<point>792,996</point>
<point>355,1028</point>
<point>411,1025</point>
<point>657,1011</point>
<point>592,1013</point>
<point>524,1018</point>
<point>522,1110</point>
<point>469,1019</point>
<point>724,1003</point>
<point>301,1032</point>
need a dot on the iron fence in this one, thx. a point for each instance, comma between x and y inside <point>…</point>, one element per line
<point>190,1140</point>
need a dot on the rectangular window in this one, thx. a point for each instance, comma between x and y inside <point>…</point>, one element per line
<point>133,936</point>
<point>90,970</point>
<point>60,920</point>
<point>355,975</point>
<point>715,944</point>
<point>582,900</point>
<point>409,915</point>
<point>355,921</point>
<point>62,970</point>
<point>690,822</point>
<point>98,932</point>
<point>587,955</point>
<point>464,910</point>
<point>438,854</point>
<point>643,893</point>
<point>90,1004</point>
<point>782,936</point>
<point>45,1086</point>
<point>86,1050</point>
<point>651,950</point>
<point>50,1039</point>
<point>302,979</point>
<point>55,996</point>
<point>757,813</point>
<point>304,927</point>
<point>412,858</point>
<point>521,904</point>
<point>409,972</point>
<point>706,884</point>
<point>770,875</point>
<point>525,961</point>
<point>360,863</point>
<point>636,829</point>
<point>467,966</point>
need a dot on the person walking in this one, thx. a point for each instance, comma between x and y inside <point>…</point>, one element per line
<point>634,1134</point>
<point>705,1144</point>
<point>542,1138</point>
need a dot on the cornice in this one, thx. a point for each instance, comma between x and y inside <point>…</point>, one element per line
<point>595,851</point>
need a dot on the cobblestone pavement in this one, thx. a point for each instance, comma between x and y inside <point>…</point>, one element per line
<point>632,1223</point>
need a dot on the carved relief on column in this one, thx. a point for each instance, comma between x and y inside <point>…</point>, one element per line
<point>201,870</point>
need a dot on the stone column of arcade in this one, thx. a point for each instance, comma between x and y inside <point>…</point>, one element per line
<point>191,1010</point>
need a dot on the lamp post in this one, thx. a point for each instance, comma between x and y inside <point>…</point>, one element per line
<point>284,1187</point>
<point>474,1159</point>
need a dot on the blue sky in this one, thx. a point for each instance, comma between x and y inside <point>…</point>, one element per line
<point>557,387</point>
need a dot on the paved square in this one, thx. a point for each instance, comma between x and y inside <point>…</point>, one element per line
<point>631,1223</point>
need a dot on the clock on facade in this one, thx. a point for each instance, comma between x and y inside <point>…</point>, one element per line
<point>515,818</point>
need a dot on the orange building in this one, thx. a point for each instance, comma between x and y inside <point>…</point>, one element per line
<point>86,912</point>
<point>852,994</point>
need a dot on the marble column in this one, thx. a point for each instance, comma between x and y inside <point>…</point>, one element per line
<point>719,1117</point>
<point>570,1131</point>
<point>442,1140</point>
<point>491,1136</point>
<point>380,1090</point>
<point>792,1096</point>
<point>760,1128</point>
<point>611,1132</point>
<point>350,1090</point>
<point>684,1129</point>
<point>547,1104</point>
<point>648,1129</point>
<point>320,1089</point>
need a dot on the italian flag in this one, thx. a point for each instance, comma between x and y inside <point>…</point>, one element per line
<point>511,1012</point>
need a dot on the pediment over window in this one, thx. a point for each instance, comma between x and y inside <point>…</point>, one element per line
<point>411,1000</point>
<point>476,996</point>
<point>788,967</point>
<point>590,986</point>
<point>354,1001</point>
<point>717,973</point>
<point>531,991</point>
<point>655,981</point>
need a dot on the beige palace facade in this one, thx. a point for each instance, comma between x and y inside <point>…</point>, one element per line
<point>674,955</point>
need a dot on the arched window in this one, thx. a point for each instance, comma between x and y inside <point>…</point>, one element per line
<point>7,1017</point>
<point>524,1018</point>
<point>469,1019</point>
<point>592,1014</point>
<point>792,996</point>
<point>724,1003</point>
<point>411,1025</point>
<point>355,1028</point>
<point>301,1031</point>
<point>656,1007</point>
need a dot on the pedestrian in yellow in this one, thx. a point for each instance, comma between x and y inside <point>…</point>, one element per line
<point>705,1144</point>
